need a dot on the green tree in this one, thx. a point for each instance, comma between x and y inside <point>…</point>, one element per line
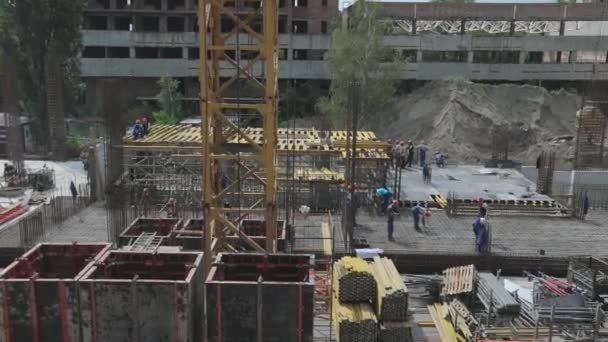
<point>170,102</point>
<point>358,55</point>
<point>298,100</point>
<point>28,31</point>
<point>454,1</point>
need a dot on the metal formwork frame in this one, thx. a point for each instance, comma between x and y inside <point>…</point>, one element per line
<point>221,52</point>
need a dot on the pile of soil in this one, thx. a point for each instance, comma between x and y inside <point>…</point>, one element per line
<point>458,118</point>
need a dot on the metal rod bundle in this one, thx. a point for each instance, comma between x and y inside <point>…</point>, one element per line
<point>355,280</point>
<point>494,296</point>
<point>395,332</point>
<point>459,280</point>
<point>567,315</point>
<point>354,322</point>
<point>392,297</point>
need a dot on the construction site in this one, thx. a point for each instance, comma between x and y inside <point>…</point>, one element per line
<point>479,214</point>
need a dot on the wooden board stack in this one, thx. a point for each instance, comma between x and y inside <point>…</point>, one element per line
<point>459,280</point>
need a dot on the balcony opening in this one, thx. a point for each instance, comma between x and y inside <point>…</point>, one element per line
<point>316,55</point>
<point>146,52</point>
<point>193,53</point>
<point>227,23</point>
<point>174,5</point>
<point>151,24</point>
<point>103,4</point>
<point>121,4</point>
<point>175,24</point>
<point>283,24</point>
<point>123,23</point>
<point>282,54</point>
<point>324,27</point>
<point>94,52</point>
<point>172,53</point>
<point>118,52</point>
<point>299,26</point>
<point>98,23</point>
<point>300,55</point>
<point>282,3</point>
<point>152,4</point>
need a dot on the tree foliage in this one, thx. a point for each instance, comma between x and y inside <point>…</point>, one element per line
<point>299,100</point>
<point>358,55</point>
<point>170,102</point>
<point>29,29</point>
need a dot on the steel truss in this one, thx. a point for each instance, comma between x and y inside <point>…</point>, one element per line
<point>252,62</point>
<point>491,27</point>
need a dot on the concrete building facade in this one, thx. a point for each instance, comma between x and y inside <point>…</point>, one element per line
<point>142,40</point>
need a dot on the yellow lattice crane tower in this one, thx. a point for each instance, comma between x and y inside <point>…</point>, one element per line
<point>238,49</point>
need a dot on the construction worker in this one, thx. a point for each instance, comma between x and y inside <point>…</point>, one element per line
<point>480,228</point>
<point>586,206</point>
<point>422,149</point>
<point>73,191</point>
<point>483,208</point>
<point>392,211</point>
<point>418,211</point>
<point>10,174</point>
<point>385,195</point>
<point>138,130</point>
<point>171,208</point>
<point>402,154</point>
<point>439,159</point>
<point>145,125</point>
<point>410,153</point>
<point>426,173</point>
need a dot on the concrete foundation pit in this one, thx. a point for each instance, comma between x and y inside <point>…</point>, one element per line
<point>162,227</point>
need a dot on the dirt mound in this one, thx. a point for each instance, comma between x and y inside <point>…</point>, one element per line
<point>459,118</point>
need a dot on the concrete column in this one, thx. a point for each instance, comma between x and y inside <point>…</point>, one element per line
<point>522,57</point>
<point>572,57</point>
<point>512,28</point>
<point>164,5</point>
<point>418,56</point>
<point>470,55</point>
<point>162,23</point>
<point>132,52</point>
<point>413,26</point>
<point>184,53</point>
<point>463,30</point>
<point>110,22</point>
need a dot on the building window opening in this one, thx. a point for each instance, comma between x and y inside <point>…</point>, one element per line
<point>94,52</point>
<point>282,3</point>
<point>299,26</point>
<point>283,24</point>
<point>324,27</point>
<point>227,24</point>
<point>171,53</point>
<point>175,24</point>
<point>173,5</point>
<point>118,52</point>
<point>103,3</point>
<point>193,53</point>
<point>300,55</point>
<point>324,3</point>
<point>98,23</point>
<point>299,3</point>
<point>282,54</point>
<point>121,4</point>
<point>146,52</point>
<point>122,23</point>
<point>152,4</point>
<point>151,24</point>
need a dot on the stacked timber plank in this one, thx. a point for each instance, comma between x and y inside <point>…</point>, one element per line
<point>494,297</point>
<point>355,280</point>
<point>459,280</point>
<point>462,319</point>
<point>439,314</point>
<point>391,300</point>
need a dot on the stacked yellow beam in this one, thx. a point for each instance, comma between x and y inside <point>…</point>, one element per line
<point>354,322</point>
<point>353,281</point>
<point>462,319</point>
<point>392,297</point>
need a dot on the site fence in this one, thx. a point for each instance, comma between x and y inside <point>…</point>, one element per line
<point>42,219</point>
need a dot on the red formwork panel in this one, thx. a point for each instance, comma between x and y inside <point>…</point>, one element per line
<point>190,234</point>
<point>256,230</point>
<point>39,292</point>
<point>142,296</point>
<point>249,295</point>
<point>162,227</point>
